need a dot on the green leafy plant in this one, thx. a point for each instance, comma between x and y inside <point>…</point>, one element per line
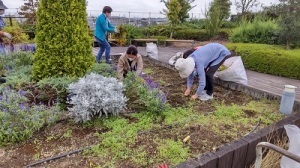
<point>172,151</point>
<point>17,32</point>
<point>133,32</point>
<point>63,39</point>
<point>259,30</point>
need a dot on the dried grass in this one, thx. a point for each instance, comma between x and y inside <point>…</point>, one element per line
<point>271,159</point>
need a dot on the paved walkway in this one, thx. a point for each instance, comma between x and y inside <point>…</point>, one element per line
<point>264,82</point>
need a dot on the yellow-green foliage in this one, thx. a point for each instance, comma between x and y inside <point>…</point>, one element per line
<point>269,59</point>
<point>63,41</point>
<point>16,31</point>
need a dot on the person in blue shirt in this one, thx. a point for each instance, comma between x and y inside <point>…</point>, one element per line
<point>102,27</point>
<point>203,62</point>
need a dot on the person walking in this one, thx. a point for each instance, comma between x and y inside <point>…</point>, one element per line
<point>103,26</point>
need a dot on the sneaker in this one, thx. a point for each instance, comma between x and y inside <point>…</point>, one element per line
<point>206,97</point>
<point>203,91</point>
<point>108,62</point>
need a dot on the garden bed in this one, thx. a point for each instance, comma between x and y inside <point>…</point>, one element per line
<point>144,139</point>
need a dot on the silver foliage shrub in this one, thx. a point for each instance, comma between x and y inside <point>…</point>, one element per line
<point>95,95</point>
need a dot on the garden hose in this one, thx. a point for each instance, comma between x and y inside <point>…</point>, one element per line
<point>58,156</point>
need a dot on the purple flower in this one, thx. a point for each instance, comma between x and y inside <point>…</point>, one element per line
<point>21,92</point>
<point>22,106</point>
<point>7,99</point>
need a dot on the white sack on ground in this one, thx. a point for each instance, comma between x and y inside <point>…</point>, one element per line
<point>152,50</point>
<point>173,60</point>
<point>234,72</point>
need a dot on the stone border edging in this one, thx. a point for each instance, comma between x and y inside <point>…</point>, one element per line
<point>242,152</point>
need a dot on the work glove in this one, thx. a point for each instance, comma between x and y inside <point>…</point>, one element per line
<point>7,35</point>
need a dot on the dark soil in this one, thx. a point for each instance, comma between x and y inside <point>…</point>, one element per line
<point>174,87</point>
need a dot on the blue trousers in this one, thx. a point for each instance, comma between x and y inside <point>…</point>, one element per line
<point>104,46</point>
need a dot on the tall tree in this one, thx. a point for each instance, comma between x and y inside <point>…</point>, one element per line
<point>173,14</point>
<point>64,44</point>
<point>213,21</point>
<point>223,6</point>
<point>244,6</point>
<point>289,24</point>
<point>185,8</point>
<point>29,10</point>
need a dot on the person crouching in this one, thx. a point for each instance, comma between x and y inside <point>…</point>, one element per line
<point>203,62</point>
<point>130,61</point>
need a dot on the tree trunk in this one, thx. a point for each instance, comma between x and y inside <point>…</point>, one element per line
<point>287,44</point>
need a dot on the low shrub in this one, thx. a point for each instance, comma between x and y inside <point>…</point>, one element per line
<point>259,31</point>
<point>51,90</point>
<point>103,69</point>
<point>20,120</point>
<point>192,34</point>
<point>133,32</point>
<point>268,59</point>
<point>158,30</point>
<point>18,78</point>
<point>95,95</point>
<point>17,32</point>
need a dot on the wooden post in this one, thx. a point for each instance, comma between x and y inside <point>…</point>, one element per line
<point>10,21</point>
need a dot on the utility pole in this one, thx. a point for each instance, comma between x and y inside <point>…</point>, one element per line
<point>129,18</point>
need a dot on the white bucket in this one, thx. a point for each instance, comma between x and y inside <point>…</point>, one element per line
<point>289,88</point>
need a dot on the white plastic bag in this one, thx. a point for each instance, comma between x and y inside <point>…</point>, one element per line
<point>235,72</point>
<point>151,50</point>
<point>293,132</point>
<point>173,60</point>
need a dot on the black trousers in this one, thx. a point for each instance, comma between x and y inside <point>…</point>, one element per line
<point>210,71</point>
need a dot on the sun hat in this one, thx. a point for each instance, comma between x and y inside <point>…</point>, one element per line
<point>2,6</point>
<point>185,66</point>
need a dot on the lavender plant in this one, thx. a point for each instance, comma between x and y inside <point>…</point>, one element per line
<point>145,92</point>
<point>16,60</point>
<point>20,120</point>
<point>95,95</point>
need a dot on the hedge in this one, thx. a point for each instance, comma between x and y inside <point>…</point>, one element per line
<point>184,32</point>
<point>268,59</point>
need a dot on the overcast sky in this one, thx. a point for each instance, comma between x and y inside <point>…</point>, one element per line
<point>122,6</point>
